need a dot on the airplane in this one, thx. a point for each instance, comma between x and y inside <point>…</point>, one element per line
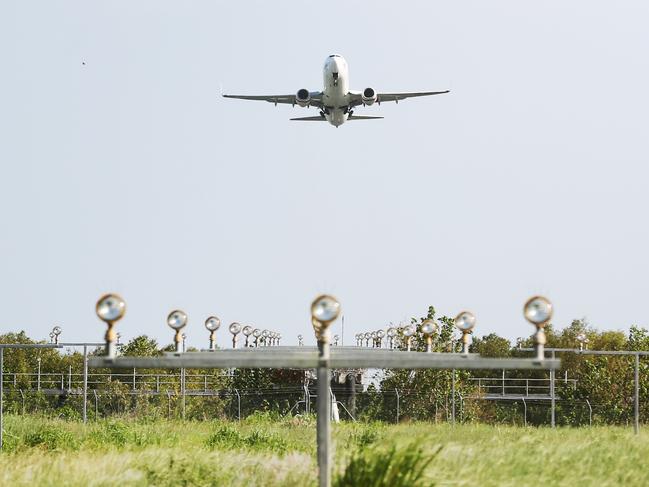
<point>336,102</point>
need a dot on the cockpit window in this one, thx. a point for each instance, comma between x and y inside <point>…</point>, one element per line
<point>334,55</point>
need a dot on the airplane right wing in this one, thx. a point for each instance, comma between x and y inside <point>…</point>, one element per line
<point>315,98</point>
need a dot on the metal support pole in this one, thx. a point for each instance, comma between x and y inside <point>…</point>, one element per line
<point>1,395</point>
<point>69,377</point>
<point>396,391</point>
<point>453,397</point>
<point>524,412</point>
<point>182,388</point>
<point>636,397</point>
<point>590,413</point>
<point>96,405</point>
<point>323,405</point>
<point>503,375</point>
<point>38,376</point>
<point>85,384</point>
<point>552,393</point>
<point>238,404</point>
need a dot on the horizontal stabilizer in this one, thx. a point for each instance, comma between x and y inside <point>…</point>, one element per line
<point>310,119</point>
<point>363,117</point>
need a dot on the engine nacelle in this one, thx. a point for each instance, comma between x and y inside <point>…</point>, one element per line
<point>369,96</point>
<point>303,97</point>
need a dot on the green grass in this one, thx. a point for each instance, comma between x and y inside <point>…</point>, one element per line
<point>260,451</point>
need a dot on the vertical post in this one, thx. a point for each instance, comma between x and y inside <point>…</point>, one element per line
<point>238,404</point>
<point>133,378</point>
<point>96,404</point>
<point>396,391</point>
<point>552,393</point>
<point>85,384</point>
<point>636,397</point>
<point>38,375</point>
<point>453,396</point>
<point>182,390</point>
<point>524,412</point>
<point>323,405</point>
<point>503,376</point>
<point>69,377</point>
<point>1,395</point>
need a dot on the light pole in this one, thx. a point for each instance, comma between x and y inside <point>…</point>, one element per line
<point>212,324</point>
<point>583,340</point>
<point>300,341</point>
<point>56,331</point>
<point>408,332</point>
<point>235,329</point>
<point>247,331</point>
<point>428,328</point>
<point>110,309</point>
<point>391,334</point>
<point>465,322</point>
<point>538,311</point>
<point>324,310</point>
<point>177,320</point>
<point>256,333</point>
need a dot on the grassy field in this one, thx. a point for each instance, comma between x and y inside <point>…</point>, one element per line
<point>261,451</point>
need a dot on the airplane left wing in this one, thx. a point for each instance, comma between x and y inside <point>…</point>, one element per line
<point>315,98</point>
<point>357,98</point>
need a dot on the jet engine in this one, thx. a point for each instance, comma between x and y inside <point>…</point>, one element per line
<point>302,97</point>
<point>369,96</point>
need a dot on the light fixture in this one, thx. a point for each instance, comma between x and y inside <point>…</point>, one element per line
<point>176,320</point>
<point>256,333</point>
<point>379,337</point>
<point>235,329</point>
<point>538,311</point>
<point>110,309</point>
<point>583,340</point>
<point>300,341</point>
<point>212,324</point>
<point>392,332</point>
<point>428,328</point>
<point>465,322</point>
<point>408,332</point>
<point>336,338</point>
<point>247,331</point>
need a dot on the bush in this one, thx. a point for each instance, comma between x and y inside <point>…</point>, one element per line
<point>51,439</point>
<point>394,468</point>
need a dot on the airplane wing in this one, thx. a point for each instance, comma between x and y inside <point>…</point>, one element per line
<point>315,98</point>
<point>320,118</point>
<point>357,98</point>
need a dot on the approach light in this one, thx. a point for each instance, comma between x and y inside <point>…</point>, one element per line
<point>235,329</point>
<point>177,320</point>
<point>465,322</point>
<point>428,328</point>
<point>110,309</point>
<point>538,311</point>
<point>212,324</point>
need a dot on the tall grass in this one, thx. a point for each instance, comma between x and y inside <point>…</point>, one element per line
<point>281,452</point>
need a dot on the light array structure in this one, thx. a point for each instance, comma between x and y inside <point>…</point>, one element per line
<point>324,311</point>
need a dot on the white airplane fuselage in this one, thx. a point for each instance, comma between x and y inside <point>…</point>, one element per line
<point>336,90</point>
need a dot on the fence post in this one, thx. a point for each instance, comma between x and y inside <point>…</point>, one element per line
<point>69,377</point>
<point>503,382</point>
<point>238,404</point>
<point>96,404</point>
<point>524,412</point>
<point>453,397</point>
<point>85,384</point>
<point>636,397</point>
<point>590,413</point>
<point>552,393</point>
<point>396,391</point>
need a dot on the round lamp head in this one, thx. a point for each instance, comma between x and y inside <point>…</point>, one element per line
<point>538,310</point>
<point>57,330</point>
<point>247,330</point>
<point>336,338</point>
<point>177,319</point>
<point>212,323</point>
<point>380,333</point>
<point>256,332</point>
<point>373,334</point>
<point>428,327</point>
<point>235,328</point>
<point>325,309</point>
<point>392,332</point>
<point>110,308</point>
<point>582,338</point>
<point>265,333</point>
<point>408,330</point>
<point>367,335</point>
<point>300,337</point>
<point>465,321</point>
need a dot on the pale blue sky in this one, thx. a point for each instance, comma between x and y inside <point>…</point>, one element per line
<point>131,174</point>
